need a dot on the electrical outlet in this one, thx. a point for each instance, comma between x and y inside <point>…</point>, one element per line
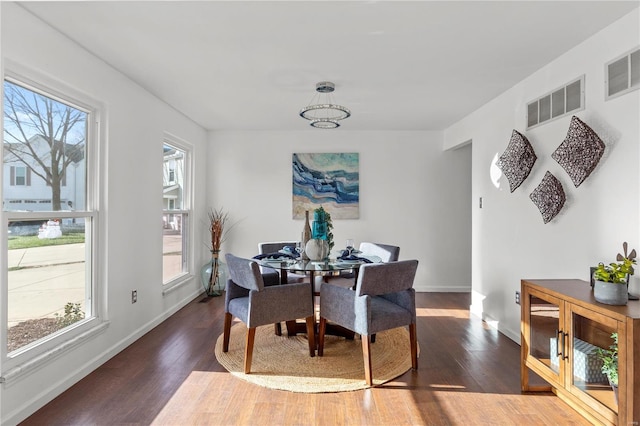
<point>134,296</point>
<point>517,297</point>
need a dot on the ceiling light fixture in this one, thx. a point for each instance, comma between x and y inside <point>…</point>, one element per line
<point>321,111</point>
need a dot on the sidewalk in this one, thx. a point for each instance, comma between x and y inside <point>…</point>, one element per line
<point>52,276</point>
<point>50,255</point>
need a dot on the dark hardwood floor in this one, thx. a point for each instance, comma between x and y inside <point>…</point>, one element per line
<point>468,374</point>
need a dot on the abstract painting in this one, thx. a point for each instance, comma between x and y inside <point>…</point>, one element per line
<point>328,180</point>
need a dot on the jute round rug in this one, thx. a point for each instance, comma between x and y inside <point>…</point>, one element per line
<point>280,362</point>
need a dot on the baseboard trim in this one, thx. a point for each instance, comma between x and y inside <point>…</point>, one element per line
<point>443,289</point>
<point>491,322</point>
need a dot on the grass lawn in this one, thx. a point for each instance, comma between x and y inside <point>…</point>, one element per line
<point>33,241</point>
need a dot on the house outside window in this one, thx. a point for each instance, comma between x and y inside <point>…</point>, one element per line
<point>176,203</point>
<point>48,139</point>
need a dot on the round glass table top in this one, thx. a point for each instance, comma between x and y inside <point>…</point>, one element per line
<point>310,265</point>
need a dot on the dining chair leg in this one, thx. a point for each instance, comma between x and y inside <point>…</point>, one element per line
<point>321,329</point>
<point>291,328</point>
<point>248,350</point>
<point>277,329</point>
<point>414,346</point>
<point>366,353</point>
<point>227,331</point>
<point>311,334</point>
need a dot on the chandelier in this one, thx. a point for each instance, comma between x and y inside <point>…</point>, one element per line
<point>321,111</point>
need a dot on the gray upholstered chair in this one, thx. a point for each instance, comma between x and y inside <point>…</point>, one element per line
<point>249,300</point>
<point>385,252</point>
<point>272,276</point>
<point>384,298</point>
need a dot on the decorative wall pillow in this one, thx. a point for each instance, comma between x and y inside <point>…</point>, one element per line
<point>580,151</point>
<point>517,160</point>
<point>548,197</point>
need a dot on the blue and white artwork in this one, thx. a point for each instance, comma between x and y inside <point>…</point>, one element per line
<point>328,180</point>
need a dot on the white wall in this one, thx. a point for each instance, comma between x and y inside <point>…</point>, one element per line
<point>412,194</point>
<point>510,241</point>
<point>131,213</point>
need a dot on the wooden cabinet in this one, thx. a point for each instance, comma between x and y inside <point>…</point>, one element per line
<point>561,327</point>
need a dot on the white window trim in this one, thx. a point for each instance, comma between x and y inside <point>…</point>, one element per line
<point>34,356</point>
<point>188,231</point>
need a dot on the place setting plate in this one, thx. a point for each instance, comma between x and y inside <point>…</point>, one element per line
<point>350,262</point>
<point>373,259</point>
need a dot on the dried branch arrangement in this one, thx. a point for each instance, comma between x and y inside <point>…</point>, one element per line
<point>217,221</point>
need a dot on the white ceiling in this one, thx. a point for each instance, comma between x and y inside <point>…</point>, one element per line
<point>417,65</point>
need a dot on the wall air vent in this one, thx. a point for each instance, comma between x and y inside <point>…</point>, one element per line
<point>557,103</point>
<point>622,75</point>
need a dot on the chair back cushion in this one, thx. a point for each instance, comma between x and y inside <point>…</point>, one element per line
<point>272,247</point>
<point>244,272</point>
<point>384,251</point>
<point>383,278</point>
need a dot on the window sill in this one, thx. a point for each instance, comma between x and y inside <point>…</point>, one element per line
<point>176,284</point>
<point>44,358</point>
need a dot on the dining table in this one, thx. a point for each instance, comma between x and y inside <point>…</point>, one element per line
<point>314,269</point>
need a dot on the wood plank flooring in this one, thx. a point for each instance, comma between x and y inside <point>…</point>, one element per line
<point>468,375</point>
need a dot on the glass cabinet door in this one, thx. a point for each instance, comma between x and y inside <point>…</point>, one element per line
<point>591,333</point>
<point>546,337</point>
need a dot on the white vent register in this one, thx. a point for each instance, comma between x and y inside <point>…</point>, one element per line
<point>622,75</point>
<point>557,103</point>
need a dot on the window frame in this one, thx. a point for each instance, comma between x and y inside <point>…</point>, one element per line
<point>14,176</point>
<point>37,354</point>
<point>186,210</point>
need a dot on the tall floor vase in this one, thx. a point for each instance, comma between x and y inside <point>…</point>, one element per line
<point>213,275</point>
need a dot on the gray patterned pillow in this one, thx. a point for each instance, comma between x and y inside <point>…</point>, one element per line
<point>548,197</point>
<point>580,151</point>
<point>517,160</point>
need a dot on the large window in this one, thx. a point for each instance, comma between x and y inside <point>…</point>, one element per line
<point>50,217</point>
<point>176,203</point>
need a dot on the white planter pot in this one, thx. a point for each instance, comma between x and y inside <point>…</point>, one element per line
<point>610,293</point>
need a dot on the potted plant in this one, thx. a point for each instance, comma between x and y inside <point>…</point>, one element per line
<point>321,242</point>
<point>609,359</point>
<point>610,281</point>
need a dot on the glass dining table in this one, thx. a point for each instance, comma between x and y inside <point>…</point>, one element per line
<point>315,269</point>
